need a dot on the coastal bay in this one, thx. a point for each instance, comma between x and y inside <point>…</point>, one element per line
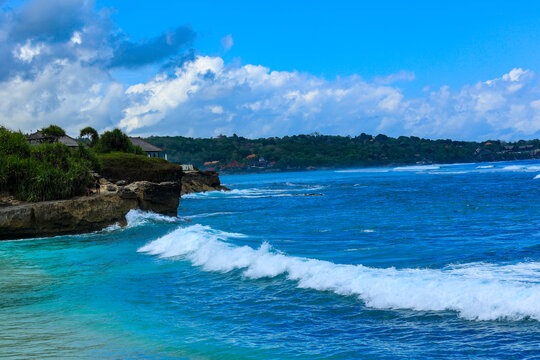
<point>439,255</point>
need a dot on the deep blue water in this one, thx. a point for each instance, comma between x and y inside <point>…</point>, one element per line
<point>417,262</point>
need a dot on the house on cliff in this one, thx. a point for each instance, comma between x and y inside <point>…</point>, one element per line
<point>150,149</point>
<point>38,138</point>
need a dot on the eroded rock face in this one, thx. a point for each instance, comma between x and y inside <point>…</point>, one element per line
<point>162,198</point>
<point>87,214</point>
<point>201,181</point>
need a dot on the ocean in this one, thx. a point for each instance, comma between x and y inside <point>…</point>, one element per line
<point>414,262</point>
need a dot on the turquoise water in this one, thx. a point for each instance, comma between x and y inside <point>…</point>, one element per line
<point>417,262</point>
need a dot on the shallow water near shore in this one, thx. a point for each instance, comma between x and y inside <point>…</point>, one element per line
<point>423,262</point>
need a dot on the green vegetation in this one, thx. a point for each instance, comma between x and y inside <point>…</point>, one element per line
<point>116,140</point>
<point>53,171</point>
<point>43,172</point>
<point>91,135</point>
<point>53,131</point>
<point>303,151</point>
<point>131,167</point>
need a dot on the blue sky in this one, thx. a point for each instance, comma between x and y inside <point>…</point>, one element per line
<point>463,70</point>
<point>443,43</point>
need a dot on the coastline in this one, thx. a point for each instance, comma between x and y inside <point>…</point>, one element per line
<point>86,214</point>
<point>344,168</point>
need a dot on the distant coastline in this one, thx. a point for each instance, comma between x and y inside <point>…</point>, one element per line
<point>236,155</point>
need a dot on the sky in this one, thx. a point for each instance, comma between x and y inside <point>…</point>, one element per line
<point>459,70</point>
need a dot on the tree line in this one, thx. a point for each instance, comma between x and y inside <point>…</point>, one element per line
<point>315,150</point>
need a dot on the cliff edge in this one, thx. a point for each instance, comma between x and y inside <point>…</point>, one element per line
<point>86,214</point>
<point>201,181</point>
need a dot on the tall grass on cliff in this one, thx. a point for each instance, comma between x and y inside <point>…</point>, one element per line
<point>43,172</point>
<point>121,160</point>
<point>131,167</point>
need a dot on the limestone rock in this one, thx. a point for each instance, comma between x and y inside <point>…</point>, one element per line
<point>86,214</point>
<point>162,197</point>
<point>201,181</point>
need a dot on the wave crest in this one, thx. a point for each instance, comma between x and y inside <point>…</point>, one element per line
<point>139,217</point>
<point>475,291</point>
<point>253,193</point>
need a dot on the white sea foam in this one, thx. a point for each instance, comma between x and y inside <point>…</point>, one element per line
<point>208,215</point>
<point>417,168</point>
<point>110,228</point>
<point>139,217</point>
<point>235,193</point>
<point>537,177</point>
<point>252,193</point>
<point>364,170</point>
<point>448,172</point>
<point>521,168</point>
<point>475,291</point>
<point>485,167</point>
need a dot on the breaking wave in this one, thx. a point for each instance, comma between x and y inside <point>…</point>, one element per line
<point>253,193</point>
<point>205,215</point>
<point>476,291</point>
<point>417,168</point>
<point>139,217</point>
<point>364,170</point>
<point>521,168</point>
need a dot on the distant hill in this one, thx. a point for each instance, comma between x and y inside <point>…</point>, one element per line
<point>238,154</point>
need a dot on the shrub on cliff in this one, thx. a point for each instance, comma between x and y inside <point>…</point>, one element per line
<point>90,134</point>
<point>116,140</point>
<point>53,131</point>
<point>131,167</point>
<point>43,172</point>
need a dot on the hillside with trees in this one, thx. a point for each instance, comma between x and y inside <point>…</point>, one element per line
<point>238,154</point>
<point>47,169</point>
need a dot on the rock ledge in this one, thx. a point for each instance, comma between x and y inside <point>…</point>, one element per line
<point>86,214</point>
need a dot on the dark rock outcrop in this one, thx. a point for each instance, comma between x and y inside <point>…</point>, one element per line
<point>201,181</point>
<point>86,214</point>
<point>162,198</point>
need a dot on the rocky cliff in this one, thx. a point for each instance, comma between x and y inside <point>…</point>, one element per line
<point>85,214</point>
<point>201,181</point>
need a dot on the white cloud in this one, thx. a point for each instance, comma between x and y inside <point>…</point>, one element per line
<point>216,109</point>
<point>206,97</point>
<point>76,38</point>
<point>268,103</point>
<point>57,69</point>
<point>28,51</point>
<point>399,76</point>
<point>63,93</point>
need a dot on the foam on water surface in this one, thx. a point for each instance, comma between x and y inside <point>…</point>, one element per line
<point>252,193</point>
<point>138,217</point>
<point>476,291</point>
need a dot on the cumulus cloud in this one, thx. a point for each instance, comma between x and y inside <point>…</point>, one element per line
<point>63,71</point>
<point>40,32</point>
<point>255,101</point>
<point>57,57</point>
